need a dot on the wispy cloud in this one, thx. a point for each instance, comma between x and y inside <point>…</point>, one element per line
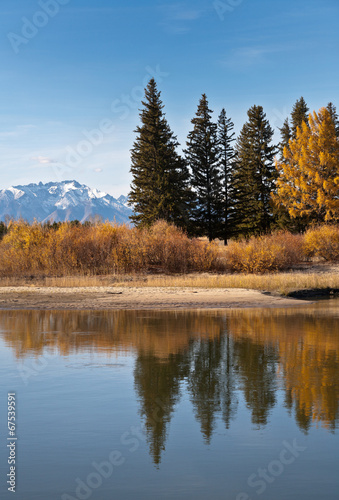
<point>44,160</point>
<point>19,131</point>
<point>242,58</point>
<point>179,16</point>
<point>247,56</point>
<point>182,14</point>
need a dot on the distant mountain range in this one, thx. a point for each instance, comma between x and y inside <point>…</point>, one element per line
<point>61,201</point>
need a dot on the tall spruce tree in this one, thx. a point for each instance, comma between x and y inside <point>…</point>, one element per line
<point>159,189</point>
<point>254,174</point>
<point>286,134</point>
<point>226,155</point>
<point>282,218</point>
<point>298,116</point>
<point>202,157</point>
<point>333,112</point>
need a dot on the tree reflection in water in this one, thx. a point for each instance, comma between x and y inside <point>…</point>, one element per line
<point>214,356</point>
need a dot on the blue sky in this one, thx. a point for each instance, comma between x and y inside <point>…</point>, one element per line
<point>72,74</point>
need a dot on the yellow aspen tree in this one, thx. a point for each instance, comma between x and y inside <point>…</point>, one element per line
<point>308,174</point>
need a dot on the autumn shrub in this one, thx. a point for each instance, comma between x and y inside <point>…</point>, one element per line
<point>323,242</point>
<point>102,248</point>
<point>263,254</point>
<point>169,248</point>
<point>127,252</point>
<point>24,248</point>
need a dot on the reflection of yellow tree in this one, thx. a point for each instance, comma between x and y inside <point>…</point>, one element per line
<point>308,349</point>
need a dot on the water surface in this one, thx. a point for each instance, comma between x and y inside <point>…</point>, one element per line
<point>192,405</point>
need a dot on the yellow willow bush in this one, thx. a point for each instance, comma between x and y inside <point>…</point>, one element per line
<point>102,248</point>
<point>264,254</point>
<point>24,248</point>
<point>99,249</point>
<point>122,248</point>
<point>169,247</point>
<point>323,242</point>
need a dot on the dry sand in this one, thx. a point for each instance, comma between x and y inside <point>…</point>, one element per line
<point>96,298</point>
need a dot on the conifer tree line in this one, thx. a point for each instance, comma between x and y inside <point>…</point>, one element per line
<point>223,186</point>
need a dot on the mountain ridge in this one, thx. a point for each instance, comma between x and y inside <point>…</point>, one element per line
<point>61,201</point>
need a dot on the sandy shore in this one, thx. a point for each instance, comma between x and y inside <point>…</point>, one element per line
<point>96,298</point>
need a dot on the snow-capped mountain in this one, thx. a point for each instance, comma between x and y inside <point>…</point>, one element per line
<point>123,200</point>
<point>61,201</point>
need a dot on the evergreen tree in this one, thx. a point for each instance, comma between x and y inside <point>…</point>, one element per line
<point>299,115</point>
<point>254,174</point>
<point>333,112</point>
<point>286,134</point>
<point>226,160</point>
<point>281,215</point>
<point>159,189</point>
<point>202,157</point>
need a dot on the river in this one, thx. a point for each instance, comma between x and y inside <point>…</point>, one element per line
<point>232,405</point>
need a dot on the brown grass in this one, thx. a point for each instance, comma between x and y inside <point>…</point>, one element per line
<point>279,282</point>
<point>282,283</point>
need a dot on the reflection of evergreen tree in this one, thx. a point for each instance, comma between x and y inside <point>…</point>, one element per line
<point>228,385</point>
<point>288,403</point>
<point>204,385</point>
<point>256,365</point>
<point>157,382</point>
<point>211,384</point>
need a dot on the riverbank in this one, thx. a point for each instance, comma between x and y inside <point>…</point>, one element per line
<point>160,291</point>
<point>105,298</point>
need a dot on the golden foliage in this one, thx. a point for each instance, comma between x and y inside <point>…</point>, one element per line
<point>102,248</point>
<point>323,242</point>
<point>308,181</point>
<point>265,253</point>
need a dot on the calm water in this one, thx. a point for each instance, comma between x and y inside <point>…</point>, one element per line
<point>162,405</point>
